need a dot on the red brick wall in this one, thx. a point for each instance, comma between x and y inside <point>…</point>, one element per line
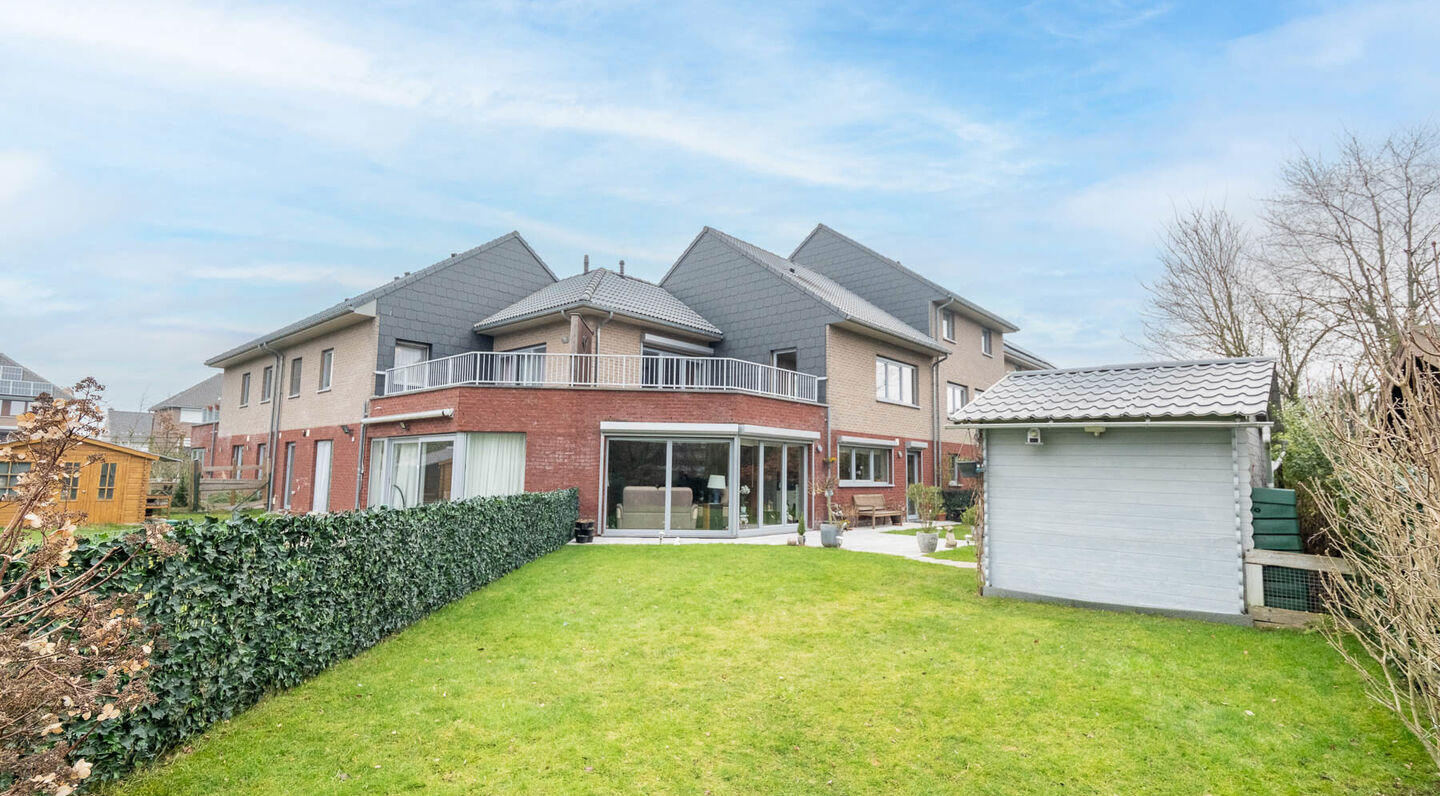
<point>895,493</point>
<point>202,435</point>
<point>562,427</point>
<point>345,458</point>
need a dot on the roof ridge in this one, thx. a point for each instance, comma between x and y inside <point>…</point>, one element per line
<point>1155,365</point>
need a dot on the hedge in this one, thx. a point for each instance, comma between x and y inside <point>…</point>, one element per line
<point>956,501</point>
<point>263,603</point>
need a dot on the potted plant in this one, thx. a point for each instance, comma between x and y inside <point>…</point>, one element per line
<point>834,523</point>
<point>927,506</point>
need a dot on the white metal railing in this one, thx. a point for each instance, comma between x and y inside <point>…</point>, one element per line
<point>615,371</point>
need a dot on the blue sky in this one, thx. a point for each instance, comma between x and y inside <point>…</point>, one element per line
<point>175,178</point>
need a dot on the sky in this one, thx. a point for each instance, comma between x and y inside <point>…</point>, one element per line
<point>177,178</point>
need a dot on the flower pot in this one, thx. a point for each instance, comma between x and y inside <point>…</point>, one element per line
<point>829,534</point>
<point>928,541</point>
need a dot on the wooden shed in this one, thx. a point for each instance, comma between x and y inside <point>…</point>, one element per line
<point>1125,486</point>
<point>112,490</point>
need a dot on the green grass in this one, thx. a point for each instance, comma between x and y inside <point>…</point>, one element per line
<point>751,669</point>
<point>963,553</point>
<point>960,530</point>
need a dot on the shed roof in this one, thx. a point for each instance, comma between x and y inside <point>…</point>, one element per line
<point>607,291</point>
<point>1153,390</point>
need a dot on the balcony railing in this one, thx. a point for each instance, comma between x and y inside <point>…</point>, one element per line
<point>603,371</point>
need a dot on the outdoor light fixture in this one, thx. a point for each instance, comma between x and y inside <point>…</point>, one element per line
<point>1032,437</point>
<point>1096,430</point>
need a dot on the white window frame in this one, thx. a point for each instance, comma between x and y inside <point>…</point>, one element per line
<point>885,368</point>
<point>947,325</point>
<point>267,384</point>
<point>857,450</point>
<point>297,373</point>
<point>327,369</point>
<point>775,357</point>
<point>245,389</point>
<point>408,345</point>
<point>987,342</point>
<point>950,405</point>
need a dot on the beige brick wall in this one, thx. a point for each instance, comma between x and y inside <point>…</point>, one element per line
<point>967,364</point>
<point>352,382</point>
<point>850,365</point>
<point>553,334</point>
<point>619,337</point>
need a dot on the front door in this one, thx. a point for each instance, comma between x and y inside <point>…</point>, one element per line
<point>320,502</point>
<point>913,475</point>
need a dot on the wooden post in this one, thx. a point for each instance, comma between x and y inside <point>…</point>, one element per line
<point>195,485</point>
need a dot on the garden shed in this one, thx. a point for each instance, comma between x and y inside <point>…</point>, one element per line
<point>1126,485</point>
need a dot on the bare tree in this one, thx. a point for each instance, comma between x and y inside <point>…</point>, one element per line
<point>1216,297</point>
<point>1355,234</point>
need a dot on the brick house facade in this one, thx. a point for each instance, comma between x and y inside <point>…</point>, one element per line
<point>709,403</point>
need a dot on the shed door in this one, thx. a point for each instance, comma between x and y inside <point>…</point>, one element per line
<point>1134,517</point>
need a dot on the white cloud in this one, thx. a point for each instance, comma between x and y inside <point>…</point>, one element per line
<point>19,172</point>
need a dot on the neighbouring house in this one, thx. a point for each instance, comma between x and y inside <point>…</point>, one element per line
<point>188,418</point>
<point>112,489</point>
<point>19,386</point>
<point>705,404</point>
<point>130,429</point>
<point>1125,485</point>
<point>1017,358</point>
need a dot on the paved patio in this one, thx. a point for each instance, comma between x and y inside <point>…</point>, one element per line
<point>860,540</point>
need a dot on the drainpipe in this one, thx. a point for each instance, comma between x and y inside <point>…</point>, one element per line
<point>608,318</point>
<point>935,414</point>
<point>362,467</point>
<point>274,437</point>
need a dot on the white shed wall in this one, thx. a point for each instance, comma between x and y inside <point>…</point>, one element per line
<point>1138,517</point>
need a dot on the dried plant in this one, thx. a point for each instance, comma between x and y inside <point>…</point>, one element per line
<point>70,656</point>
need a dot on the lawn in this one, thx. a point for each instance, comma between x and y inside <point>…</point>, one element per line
<point>961,530</point>
<point>962,553</point>
<point>754,669</point>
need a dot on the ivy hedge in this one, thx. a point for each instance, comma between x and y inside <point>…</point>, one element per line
<point>263,603</point>
<point>956,501</point>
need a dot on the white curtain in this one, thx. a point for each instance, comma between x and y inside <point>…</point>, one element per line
<point>405,483</point>
<point>376,497</point>
<point>494,465</point>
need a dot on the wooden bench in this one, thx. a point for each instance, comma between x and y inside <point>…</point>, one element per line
<point>873,507</point>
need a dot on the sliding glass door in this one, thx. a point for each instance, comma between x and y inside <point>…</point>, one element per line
<point>680,486</point>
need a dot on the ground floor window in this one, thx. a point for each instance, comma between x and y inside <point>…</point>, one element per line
<point>864,466</point>
<point>718,486</point>
<point>10,473</point>
<point>410,471</point>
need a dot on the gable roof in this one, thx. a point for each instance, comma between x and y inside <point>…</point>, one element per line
<point>1156,390</point>
<point>1024,357</point>
<point>966,306</point>
<point>99,443</point>
<point>830,293</point>
<point>130,426</point>
<point>196,396</point>
<point>358,303</point>
<point>18,381</point>
<point>607,291</point>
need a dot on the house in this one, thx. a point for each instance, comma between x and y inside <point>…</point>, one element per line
<point>707,403</point>
<point>110,490</point>
<point>1017,358</point>
<point>18,387</point>
<point>130,429</point>
<point>1125,485</point>
<point>178,417</point>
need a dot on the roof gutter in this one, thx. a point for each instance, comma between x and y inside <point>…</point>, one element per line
<point>1117,424</point>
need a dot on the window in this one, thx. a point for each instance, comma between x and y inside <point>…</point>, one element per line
<point>894,382</point>
<point>262,460</point>
<point>947,325</point>
<point>10,478</point>
<point>986,347</point>
<point>864,466</point>
<point>245,390</point>
<point>105,490</point>
<point>70,487</point>
<point>237,459</point>
<point>785,359</point>
<point>522,365</point>
<point>296,369</point>
<point>267,383</point>
<point>14,408</point>
<point>327,365</point>
<point>958,395</point>
<point>409,367</point>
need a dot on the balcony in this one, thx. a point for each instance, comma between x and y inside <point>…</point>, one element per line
<point>603,371</point>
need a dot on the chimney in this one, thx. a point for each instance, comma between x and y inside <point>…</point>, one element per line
<point>587,264</point>
<point>622,267</point>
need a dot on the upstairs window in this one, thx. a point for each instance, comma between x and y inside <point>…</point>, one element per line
<point>409,370</point>
<point>245,390</point>
<point>957,396</point>
<point>986,346</point>
<point>296,369</point>
<point>947,325</point>
<point>267,383</point>
<point>327,365</point>
<point>894,382</point>
<point>785,359</point>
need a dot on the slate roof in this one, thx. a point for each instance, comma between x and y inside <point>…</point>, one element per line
<point>128,427</point>
<point>198,396</point>
<point>1174,390</point>
<point>966,304</point>
<point>607,291</point>
<point>368,296</point>
<point>829,292</point>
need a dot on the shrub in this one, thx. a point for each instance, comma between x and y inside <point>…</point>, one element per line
<point>1307,470</point>
<point>956,501</point>
<point>927,501</point>
<point>261,603</point>
<point>968,515</point>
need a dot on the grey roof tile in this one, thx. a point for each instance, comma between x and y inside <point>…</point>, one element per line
<point>830,292</point>
<point>605,290</point>
<point>1214,388</point>
<point>198,396</point>
<point>128,427</point>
